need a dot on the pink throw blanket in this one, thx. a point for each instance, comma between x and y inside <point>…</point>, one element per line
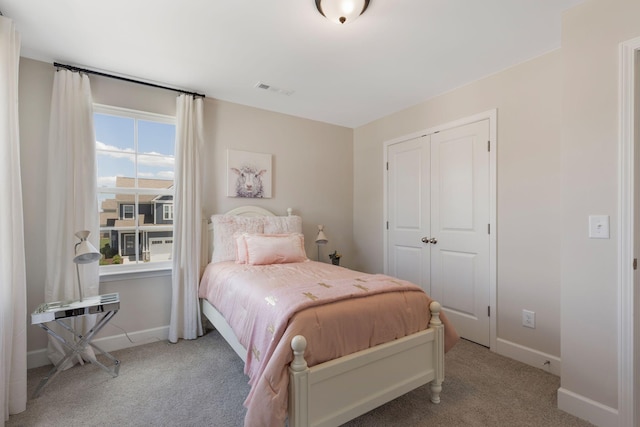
<point>267,305</point>
<point>275,308</point>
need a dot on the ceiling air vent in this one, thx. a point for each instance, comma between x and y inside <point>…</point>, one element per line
<point>265,86</point>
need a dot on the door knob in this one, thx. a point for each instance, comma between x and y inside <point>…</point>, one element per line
<point>425,240</point>
<point>433,240</point>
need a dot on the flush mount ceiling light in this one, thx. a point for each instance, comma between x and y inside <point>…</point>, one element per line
<point>342,11</point>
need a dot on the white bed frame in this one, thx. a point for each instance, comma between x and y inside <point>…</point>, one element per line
<point>340,390</point>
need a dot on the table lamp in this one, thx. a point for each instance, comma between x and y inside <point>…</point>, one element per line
<point>321,239</point>
<point>85,254</point>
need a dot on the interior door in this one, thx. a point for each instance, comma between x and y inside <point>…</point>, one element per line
<point>438,211</point>
<point>408,194</point>
<point>460,217</point>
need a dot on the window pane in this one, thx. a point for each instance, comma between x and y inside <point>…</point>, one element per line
<point>155,168</point>
<point>113,166</point>
<point>108,209</point>
<point>109,248</point>
<point>156,138</point>
<point>114,133</point>
<point>157,244</point>
<point>157,229</point>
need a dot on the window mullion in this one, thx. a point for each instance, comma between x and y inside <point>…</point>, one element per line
<point>137,223</point>
<point>137,186</point>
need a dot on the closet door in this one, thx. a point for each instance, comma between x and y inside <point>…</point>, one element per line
<point>408,193</point>
<point>460,217</point>
<point>438,217</point>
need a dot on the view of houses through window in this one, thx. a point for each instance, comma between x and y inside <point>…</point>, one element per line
<point>135,165</point>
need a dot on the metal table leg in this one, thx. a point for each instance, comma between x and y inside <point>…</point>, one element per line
<point>77,348</point>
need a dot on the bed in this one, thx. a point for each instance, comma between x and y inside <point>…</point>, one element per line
<point>336,347</point>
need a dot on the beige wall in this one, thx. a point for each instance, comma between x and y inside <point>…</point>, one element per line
<point>557,164</point>
<point>592,33</point>
<point>312,174</point>
<point>528,101</point>
<point>557,147</point>
<point>312,164</point>
<point>36,81</point>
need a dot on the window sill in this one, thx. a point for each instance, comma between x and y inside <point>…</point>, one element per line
<point>132,274</point>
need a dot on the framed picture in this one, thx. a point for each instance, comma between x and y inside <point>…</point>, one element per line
<point>248,174</point>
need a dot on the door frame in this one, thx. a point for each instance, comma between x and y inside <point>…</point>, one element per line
<point>627,336</point>
<point>491,115</point>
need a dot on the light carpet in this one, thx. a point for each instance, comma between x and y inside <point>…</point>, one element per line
<point>201,383</point>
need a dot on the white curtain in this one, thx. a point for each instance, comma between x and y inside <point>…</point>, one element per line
<point>13,283</point>
<point>187,219</point>
<point>72,204</point>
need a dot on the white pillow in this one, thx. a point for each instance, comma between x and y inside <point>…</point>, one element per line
<point>274,248</point>
<point>282,224</point>
<point>224,227</point>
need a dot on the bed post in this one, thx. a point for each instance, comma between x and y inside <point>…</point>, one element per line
<point>298,384</point>
<point>438,348</point>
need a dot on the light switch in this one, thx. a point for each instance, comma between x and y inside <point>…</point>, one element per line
<point>598,226</point>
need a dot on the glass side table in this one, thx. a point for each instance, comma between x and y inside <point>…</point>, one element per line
<point>106,305</point>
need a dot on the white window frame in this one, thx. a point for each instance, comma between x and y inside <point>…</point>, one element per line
<point>132,213</point>
<point>141,269</point>
<point>167,212</point>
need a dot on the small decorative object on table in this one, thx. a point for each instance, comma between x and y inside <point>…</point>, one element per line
<point>335,258</point>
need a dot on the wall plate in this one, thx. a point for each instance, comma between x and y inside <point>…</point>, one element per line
<point>598,226</point>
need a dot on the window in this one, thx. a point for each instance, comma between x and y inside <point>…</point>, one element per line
<point>167,212</point>
<point>135,165</point>
<point>127,211</point>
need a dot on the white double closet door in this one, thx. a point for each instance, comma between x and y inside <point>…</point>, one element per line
<point>438,215</point>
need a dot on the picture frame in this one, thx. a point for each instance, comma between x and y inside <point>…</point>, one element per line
<point>249,175</point>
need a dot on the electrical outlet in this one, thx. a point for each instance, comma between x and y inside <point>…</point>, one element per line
<point>529,319</point>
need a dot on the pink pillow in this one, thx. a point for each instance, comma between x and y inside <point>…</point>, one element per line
<point>274,248</point>
<point>241,248</point>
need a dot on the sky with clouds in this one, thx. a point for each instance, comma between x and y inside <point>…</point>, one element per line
<point>116,147</point>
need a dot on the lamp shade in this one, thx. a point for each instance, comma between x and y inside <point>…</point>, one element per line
<point>342,11</point>
<point>85,251</point>
<point>322,238</point>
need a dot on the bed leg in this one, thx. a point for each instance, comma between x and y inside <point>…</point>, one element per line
<point>298,384</point>
<point>438,348</point>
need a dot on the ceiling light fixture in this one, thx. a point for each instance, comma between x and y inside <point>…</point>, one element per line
<point>342,11</point>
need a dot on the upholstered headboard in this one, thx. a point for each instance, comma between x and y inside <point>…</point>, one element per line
<point>246,211</point>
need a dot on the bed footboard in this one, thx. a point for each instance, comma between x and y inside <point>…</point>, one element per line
<point>339,390</point>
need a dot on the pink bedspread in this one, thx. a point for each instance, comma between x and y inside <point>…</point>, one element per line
<point>339,311</point>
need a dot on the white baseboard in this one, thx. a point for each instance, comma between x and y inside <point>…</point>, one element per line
<point>568,401</point>
<point>594,412</point>
<point>529,356</point>
<point>37,358</point>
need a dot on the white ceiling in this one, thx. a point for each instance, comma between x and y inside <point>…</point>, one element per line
<point>397,54</point>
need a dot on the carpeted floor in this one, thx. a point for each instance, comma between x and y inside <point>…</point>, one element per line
<point>201,383</point>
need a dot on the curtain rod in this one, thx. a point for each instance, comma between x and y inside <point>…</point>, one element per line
<point>126,79</point>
